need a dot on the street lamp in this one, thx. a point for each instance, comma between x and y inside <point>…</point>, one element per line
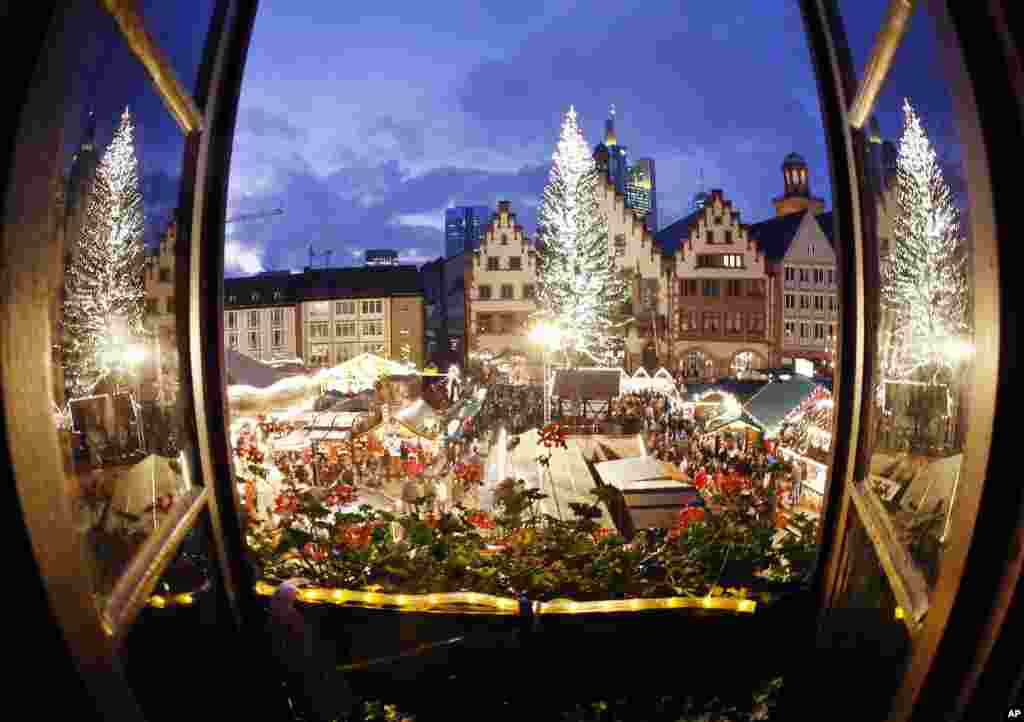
<point>549,337</point>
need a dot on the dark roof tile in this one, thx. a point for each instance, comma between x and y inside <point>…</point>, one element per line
<point>774,235</point>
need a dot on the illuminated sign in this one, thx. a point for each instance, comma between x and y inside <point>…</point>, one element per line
<point>804,367</point>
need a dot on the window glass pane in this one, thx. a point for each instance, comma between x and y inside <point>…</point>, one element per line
<point>924,303</point>
<point>180,30</point>
<point>373,177</point>
<point>116,398</point>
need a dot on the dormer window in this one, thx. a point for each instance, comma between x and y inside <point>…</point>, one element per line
<point>718,220</point>
<point>255,297</point>
<point>277,295</point>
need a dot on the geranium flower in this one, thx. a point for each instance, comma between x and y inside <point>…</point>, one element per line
<point>286,504</point>
<point>316,552</point>
<point>600,534</point>
<point>553,435</point>
<point>686,517</point>
<point>481,520</point>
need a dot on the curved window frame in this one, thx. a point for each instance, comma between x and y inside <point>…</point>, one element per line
<point>940,676</point>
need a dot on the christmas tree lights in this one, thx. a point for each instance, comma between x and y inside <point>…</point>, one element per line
<point>579,287</point>
<point>103,280</point>
<point>924,278</point>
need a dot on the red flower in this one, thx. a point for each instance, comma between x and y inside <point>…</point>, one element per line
<point>553,435</point>
<point>600,534</point>
<point>316,552</point>
<point>702,480</point>
<point>480,520</point>
<point>686,517</point>
<point>286,504</point>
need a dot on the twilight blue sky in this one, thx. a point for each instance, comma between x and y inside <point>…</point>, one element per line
<point>363,121</point>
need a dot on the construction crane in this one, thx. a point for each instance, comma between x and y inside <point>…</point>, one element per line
<point>254,216</point>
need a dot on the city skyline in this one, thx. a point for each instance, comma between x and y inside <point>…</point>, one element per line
<point>364,130</point>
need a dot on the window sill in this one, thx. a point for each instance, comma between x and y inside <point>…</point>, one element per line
<point>908,584</point>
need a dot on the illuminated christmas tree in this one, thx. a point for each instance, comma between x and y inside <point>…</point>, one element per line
<point>924,279</point>
<point>579,288</point>
<point>104,286</point>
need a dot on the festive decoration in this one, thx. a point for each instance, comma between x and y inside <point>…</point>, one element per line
<point>578,284</point>
<point>924,278</point>
<point>103,280</point>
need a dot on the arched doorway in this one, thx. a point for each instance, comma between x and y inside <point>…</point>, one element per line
<point>746,361</point>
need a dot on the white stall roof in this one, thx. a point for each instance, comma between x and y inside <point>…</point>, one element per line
<point>637,473</point>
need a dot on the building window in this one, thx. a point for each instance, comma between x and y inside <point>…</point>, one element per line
<point>277,338</point>
<point>483,323</point>
<point>756,323</point>
<point>254,339</point>
<point>805,275</point>
<point>528,291</point>
<point>734,322</point>
<point>492,264</point>
<point>803,330</point>
<point>755,288</point>
<point>515,263</point>
<point>232,340</point>
<point>165,275</point>
<point>819,303</point>
<point>790,273</point>
<point>831,330</point>
<point>830,278</point>
<point>720,260</point>
<point>373,328</point>
<point>508,291</point>
<point>504,239</point>
<point>276,317</point>
<point>373,307</point>
<point>728,236</point>
<point>819,275</point>
<point>319,354</point>
<point>277,295</point>
<point>688,321</point>
<point>709,237</point>
<point>320,308</point>
<point>345,329</point>
<point>232,299</point>
<point>790,301</point>
<point>711,288</point>
<point>319,330</point>
<point>485,293</point>
<point>790,328</point>
<point>232,319</point>
<point>688,287</point>
<point>734,287</point>
<point>254,319</point>
<point>255,297</point>
<point>832,303</point>
<point>345,308</point>
<point>711,323</point>
<point>819,331</point>
<point>805,302</point>
<point>718,220</point>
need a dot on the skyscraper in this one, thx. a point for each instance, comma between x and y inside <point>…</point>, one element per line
<point>641,192</point>
<point>463,228</point>
<point>617,163</point>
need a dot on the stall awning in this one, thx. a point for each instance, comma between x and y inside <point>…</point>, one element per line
<point>734,422</point>
<point>773,402</point>
<point>420,418</point>
<point>588,383</point>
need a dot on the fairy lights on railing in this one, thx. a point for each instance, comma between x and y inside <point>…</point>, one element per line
<point>474,602</point>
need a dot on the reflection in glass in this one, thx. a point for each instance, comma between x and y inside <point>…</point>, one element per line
<point>180,30</point>
<point>924,332</point>
<point>116,396</point>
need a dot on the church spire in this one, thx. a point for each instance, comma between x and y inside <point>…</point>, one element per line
<point>609,128</point>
